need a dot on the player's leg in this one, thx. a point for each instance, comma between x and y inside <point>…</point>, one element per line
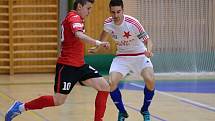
<point>38,103</point>
<point>116,96</point>
<point>103,88</point>
<point>92,78</point>
<point>44,101</point>
<point>148,75</point>
<point>118,70</point>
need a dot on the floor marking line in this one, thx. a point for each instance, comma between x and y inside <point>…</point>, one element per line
<point>135,109</point>
<point>194,103</point>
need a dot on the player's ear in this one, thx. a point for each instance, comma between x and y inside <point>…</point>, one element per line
<point>122,10</point>
<point>79,6</point>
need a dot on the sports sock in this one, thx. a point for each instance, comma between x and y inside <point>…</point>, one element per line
<point>39,103</point>
<point>117,99</point>
<point>148,95</point>
<point>100,105</point>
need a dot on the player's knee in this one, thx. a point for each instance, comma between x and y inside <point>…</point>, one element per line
<point>104,86</point>
<point>150,87</point>
<point>113,86</point>
<point>149,78</point>
<point>150,84</point>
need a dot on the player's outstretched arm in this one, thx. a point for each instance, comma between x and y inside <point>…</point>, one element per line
<point>104,38</point>
<point>88,39</point>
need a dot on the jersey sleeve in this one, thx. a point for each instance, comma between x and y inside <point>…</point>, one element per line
<point>107,25</point>
<point>76,24</point>
<point>142,34</point>
<point>107,28</point>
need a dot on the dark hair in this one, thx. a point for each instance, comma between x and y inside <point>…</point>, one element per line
<point>82,2</point>
<point>116,3</point>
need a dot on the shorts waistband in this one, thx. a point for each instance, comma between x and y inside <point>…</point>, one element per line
<point>135,54</point>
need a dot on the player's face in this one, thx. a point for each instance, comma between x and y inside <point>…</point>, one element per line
<point>117,14</point>
<point>85,10</point>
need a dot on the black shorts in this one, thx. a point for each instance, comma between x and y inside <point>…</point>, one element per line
<point>67,76</point>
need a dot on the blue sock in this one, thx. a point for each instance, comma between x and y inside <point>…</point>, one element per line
<point>117,99</point>
<point>148,95</point>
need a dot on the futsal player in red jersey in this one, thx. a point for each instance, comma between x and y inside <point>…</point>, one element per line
<point>70,67</point>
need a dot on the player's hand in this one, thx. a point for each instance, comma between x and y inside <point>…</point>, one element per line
<point>103,44</point>
<point>148,54</point>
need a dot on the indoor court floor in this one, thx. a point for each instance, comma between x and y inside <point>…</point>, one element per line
<point>174,100</point>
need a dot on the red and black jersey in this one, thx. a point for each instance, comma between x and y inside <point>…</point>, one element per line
<point>72,48</point>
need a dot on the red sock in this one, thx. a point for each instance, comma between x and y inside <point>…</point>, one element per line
<point>100,105</point>
<point>39,103</point>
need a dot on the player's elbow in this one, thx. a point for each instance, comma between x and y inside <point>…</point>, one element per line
<point>78,34</point>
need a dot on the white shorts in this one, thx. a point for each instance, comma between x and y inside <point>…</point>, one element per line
<point>130,65</point>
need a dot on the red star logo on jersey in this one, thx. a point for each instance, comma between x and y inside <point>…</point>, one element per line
<point>126,34</point>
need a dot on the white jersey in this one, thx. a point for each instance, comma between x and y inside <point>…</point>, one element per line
<point>129,36</point>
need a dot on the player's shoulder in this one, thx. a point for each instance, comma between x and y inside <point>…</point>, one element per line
<point>130,18</point>
<point>73,16</point>
<point>108,20</point>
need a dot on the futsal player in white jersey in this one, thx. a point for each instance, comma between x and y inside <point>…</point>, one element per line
<point>134,49</point>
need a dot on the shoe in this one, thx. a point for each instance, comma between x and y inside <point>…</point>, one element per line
<point>122,116</point>
<point>13,111</point>
<point>146,115</point>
